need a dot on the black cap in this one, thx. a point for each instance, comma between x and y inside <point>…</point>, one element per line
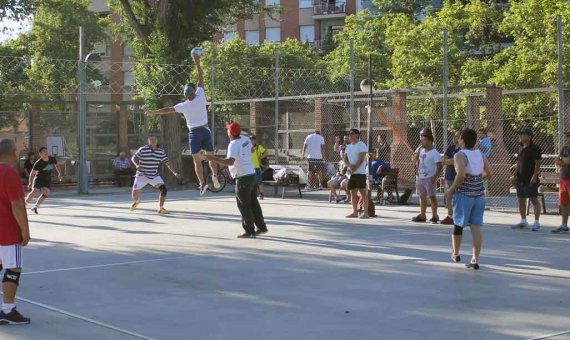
<point>526,131</point>
<point>354,132</point>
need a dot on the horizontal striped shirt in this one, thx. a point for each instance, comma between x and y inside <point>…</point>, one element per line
<point>149,161</point>
<point>472,186</point>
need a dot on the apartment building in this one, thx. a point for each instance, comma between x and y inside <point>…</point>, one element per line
<point>310,21</point>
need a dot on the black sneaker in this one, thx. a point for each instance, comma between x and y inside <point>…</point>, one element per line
<point>474,266</point>
<point>455,258</point>
<point>35,210</point>
<point>13,318</point>
<point>247,235</point>
<point>261,231</point>
<point>434,220</point>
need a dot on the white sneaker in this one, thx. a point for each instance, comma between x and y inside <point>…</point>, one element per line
<point>215,182</point>
<point>203,189</point>
<point>535,226</point>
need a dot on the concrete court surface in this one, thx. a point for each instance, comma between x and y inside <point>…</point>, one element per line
<point>95,270</point>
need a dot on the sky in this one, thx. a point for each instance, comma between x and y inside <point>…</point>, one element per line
<point>14,27</point>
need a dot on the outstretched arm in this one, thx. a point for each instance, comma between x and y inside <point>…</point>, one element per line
<point>163,111</point>
<point>200,80</point>
<point>170,167</point>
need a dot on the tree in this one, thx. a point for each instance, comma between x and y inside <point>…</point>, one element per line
<point>162,32</point>
<point>16,9</point>
<point>412,9</point>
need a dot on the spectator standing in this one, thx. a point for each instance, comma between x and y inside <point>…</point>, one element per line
<point>383,151</point>
<point>314,146</point>
<point>563,161</point>
<point>429,170</point>
<point>450,174</point>
<point>525,178</point>
<point>29,164</point>
<point>355,160</point>
<point>258,154</point>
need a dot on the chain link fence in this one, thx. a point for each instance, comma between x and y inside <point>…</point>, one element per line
<point>38,107</point>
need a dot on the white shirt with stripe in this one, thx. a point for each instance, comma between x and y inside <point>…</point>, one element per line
<point>149,161</point>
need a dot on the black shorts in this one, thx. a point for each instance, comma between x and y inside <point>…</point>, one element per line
<point>316,165</point>
<point>357,181</point>
<point>526,190</point>
<point>42,183</point>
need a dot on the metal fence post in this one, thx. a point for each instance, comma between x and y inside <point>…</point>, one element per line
<point>445,89</point>
<point>213,100</point>
<point>83,177</point>
<point>561,104</point>
<point>276,141</point>
<point>352,113</point>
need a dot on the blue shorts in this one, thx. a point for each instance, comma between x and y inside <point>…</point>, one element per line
<point>526,190</point>
<point>200,139</point>
<point>259,176</point>
<point>468,211</point>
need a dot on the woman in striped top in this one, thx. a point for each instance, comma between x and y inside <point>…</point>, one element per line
<point>468,195</point>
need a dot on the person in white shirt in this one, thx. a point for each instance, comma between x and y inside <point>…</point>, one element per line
<point>315,145</point>
<point>241,167</point>
<point>196,115</point>
<point>428,171</point>
<point>355,160</point>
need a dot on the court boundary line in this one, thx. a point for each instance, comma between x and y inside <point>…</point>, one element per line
<point>548,336</point>
<point>105,265</point>
<point>85,319</point>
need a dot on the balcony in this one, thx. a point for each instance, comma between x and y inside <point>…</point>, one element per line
<point>329,11</point>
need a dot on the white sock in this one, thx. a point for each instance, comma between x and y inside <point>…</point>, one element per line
<point>536,221</point>
<point>523,221</point>
<point>7,307</point>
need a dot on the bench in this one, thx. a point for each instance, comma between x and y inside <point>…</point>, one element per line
<point>284,187</point>
<point>548,185</point>
<point>388,185</point>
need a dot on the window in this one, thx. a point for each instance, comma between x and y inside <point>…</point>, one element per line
<point>229,35</point>
<point>128,50</point>
<point>252,37</point>
<point>273,34</point>
<point>103,49</point>
<point>307,33</point>
<point>272,2</point>
<point>305,3</point>
<point>129,78</point>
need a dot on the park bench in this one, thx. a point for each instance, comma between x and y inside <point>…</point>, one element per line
<point>548,185</point>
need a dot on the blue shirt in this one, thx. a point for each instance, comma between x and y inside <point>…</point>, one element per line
<point>450,169</point>
<point>485,146</point>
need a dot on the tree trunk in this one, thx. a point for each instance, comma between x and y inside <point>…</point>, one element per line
<point>172,141</point>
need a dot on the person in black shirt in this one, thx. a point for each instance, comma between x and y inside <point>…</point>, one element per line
<point>40,178</point>
<point>525,178</point>
<point>29,164</point>
<point>383,151</point>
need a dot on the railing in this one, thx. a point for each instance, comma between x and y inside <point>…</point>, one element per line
<point>327,9</point>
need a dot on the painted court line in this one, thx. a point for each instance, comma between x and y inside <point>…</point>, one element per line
<point>106,265</point>
<point>548,336</point>
<point>79,317</point>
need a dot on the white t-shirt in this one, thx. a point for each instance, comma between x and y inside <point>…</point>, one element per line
<point>194,110</point>
<point>428,163</point>
<point>353,152</point>
<point>314,142</point>
<point>240,150</point>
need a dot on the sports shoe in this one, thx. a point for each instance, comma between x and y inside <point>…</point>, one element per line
<point>561,229</point>
<point>353,215</point>
<point>163,211</point>
<point>434,220</point>
<point>364,216</point>
<point>261,231</point>
<point>13,318</point>
<point>535,226</point>
<point>472,265</point>
<point>135,205</point>
<point>419,218</point>
<point>448,220</point>
<point>521,225</point>
<point>247,235</point>
<point>455,258</point>
<point>215,182</point>
<point>261,197</point>
<point>35,210</point>
<point>203,189</point>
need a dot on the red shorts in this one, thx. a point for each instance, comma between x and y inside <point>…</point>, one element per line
<point>564,193</point>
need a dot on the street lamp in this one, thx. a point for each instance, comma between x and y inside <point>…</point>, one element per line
<point>367,85</point>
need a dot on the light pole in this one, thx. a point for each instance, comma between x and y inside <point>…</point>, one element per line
<point>367,85</point>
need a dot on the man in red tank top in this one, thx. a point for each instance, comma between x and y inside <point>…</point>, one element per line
<point>14,232</point>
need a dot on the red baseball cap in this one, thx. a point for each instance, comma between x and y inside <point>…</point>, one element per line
<point>233,128</point>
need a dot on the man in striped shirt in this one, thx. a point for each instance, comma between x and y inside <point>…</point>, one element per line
<point>147,159</point>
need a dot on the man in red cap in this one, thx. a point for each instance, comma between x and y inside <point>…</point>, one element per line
<point>241,168</point>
